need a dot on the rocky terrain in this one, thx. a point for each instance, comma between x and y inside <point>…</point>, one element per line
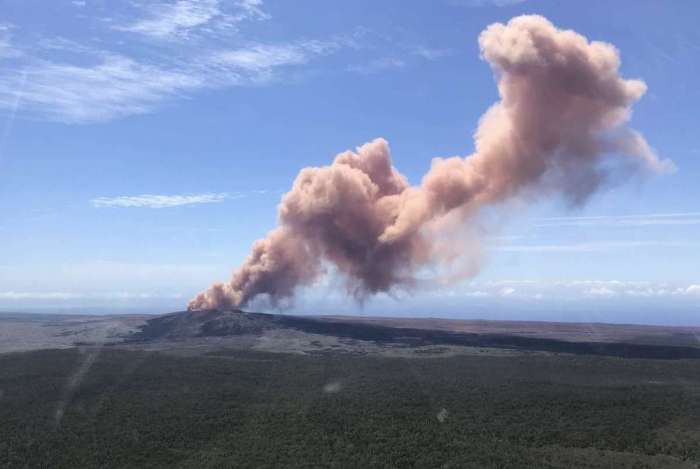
<point>23,332</point>
<point>418,336</point>
<point>206,331</point>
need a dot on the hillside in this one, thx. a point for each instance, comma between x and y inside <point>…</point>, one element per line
<point>394,333</point>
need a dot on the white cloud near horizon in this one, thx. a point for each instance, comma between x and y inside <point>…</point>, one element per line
<point>572,290</point>
<point>12,295</point>
<point>58,295</point>
<point>504,290</point>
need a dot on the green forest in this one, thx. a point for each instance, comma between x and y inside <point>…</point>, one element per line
<point>106,407</point>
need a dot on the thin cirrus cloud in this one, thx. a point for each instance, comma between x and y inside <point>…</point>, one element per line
<point>171,19</point>
<point>182,18</point>
<point>57,295</point>
<point>383,64</point>
<point>6,49</point>
<point>80,81</point>
<point>377,65</point>
<point>163,52</point>
<point>260,59</point>
<point>118,86</point>
<point>592,246</point>
<point>175,200</point>
<point>115,87</point>
<point>652,219</point>
<point>429,53</point>
<point>159,201</point>
<point>60,296</point>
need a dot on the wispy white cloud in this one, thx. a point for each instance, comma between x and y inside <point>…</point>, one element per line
<point>652,219</point>
<point>431,53</point>
<point>251,9</point>
<point>179,19</point>
<point>601,291</point>
<point>262,56</point>
<point>159,201</point>
<point>168,20</point>
<point>259,62</point>
<point>86,81</point>
<point>649,290</point>
<point>506,291</point>
<point>399,60</point>
<point>15,295</point>
<point>115,87</point>
<point>591,246</point>
<point>377,65</point>
<point>7,50</point>
<point>476,293</point>
<point>173,200</point>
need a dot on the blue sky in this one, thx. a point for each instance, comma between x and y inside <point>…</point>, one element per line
<point>144,147</point>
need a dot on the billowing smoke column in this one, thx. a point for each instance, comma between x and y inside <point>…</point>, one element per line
<point>557,129</point>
